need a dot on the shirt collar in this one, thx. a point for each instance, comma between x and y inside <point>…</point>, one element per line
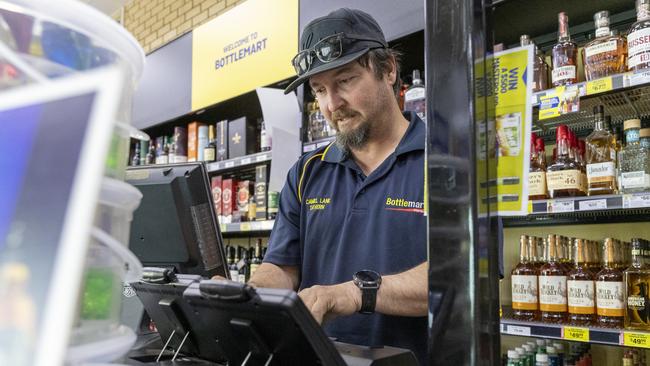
<point>412,140</point>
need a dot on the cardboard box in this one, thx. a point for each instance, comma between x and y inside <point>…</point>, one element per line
<point>244,190</point>
<point>180,144</point>
<point>241,137</point>
<point>228,200</point>
<point>193,140</point>
<point>261,173</point>
<point>222,140</point>
<point>202,142</point>
<point>216,193</point>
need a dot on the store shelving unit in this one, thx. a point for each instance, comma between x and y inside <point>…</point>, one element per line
<point>247,227</point>
<point>240,162</point>
<point>311,146</point>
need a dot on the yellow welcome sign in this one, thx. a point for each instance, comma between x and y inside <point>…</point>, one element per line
<point>249,46</point>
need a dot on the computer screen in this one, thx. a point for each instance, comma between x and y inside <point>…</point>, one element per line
<point>176,224</point>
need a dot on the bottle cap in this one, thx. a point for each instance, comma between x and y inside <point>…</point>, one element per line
<point>527,347</point>
<point>645,132</point>
<point>601,19</point>
<point>599,109</point>
<point>524,40</point>
<point>541,357</point>
<point>416,77</point>
<point>550,349</point>
<point>540,342</point>
<point>632,123</point>
<point>539,144</point>
<point>512,354</point>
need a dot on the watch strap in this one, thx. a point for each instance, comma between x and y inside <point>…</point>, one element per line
<point>368,300</point>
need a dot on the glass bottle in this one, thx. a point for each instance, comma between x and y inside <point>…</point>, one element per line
<point>257,258</point>
<point>565,54</point>
<point>638,38</point>
<point>580,159</point>
<point>513,358</point>
<point>265,138</point>
<point>644,138</point>
<point>415,97</point>
<point>210,150</point>
<point>606,54</point>
<point>610,304</point>
<point>563,177</point>
<point>601,149</point>
<point>524,284</point>
<point>541,359</point>
<point>243,265</point>
<point>580,287</point>
<point>552,285</point>
<point>634,160</point>
<point>151,155</point>
<point>540,77</point>
<point>537,171</point>
<point>135,161</point>
<point>232,267</point>
<point>535,250</point>
<point>637,285</point>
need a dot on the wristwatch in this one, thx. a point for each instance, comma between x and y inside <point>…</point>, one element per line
<point>368,282</point>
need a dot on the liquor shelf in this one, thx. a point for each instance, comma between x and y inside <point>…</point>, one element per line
<point>241,227</point>
<point>589,209</point>
<point>252,159</point>
<point>311,146</point>
<point>624,96</point>
<point>608,336</point>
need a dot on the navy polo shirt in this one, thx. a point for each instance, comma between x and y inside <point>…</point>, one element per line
<point>334,221</point>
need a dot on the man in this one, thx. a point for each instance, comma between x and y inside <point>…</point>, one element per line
<point>350,234</point>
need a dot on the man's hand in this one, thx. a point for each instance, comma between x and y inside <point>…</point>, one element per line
<point>327,302</point>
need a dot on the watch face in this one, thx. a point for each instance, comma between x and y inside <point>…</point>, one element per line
<point>367,276</point>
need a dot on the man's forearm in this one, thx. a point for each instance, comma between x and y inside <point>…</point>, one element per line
<point>405,293</point>
<point>273,276</point>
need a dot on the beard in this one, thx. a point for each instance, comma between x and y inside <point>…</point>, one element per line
<point>355,138</point>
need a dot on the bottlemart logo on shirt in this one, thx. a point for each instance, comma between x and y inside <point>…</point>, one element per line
<point>400,204</point>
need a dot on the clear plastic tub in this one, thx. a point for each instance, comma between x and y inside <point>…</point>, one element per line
<point>117,202</point>
<point>101,352</point>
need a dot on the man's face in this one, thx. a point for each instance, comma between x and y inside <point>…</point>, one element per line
<point>351,100</point>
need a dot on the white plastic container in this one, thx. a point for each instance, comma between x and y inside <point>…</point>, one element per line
<point>117,202</point>
<point>118,344</point>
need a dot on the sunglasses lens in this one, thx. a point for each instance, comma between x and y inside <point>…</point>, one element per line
<point>302,62</point>
<point>329,49</point>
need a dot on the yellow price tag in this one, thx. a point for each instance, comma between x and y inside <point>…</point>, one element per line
<point>245,226</point>
<point>576,334</point>
<point>636,339</point>
<point>599,85</point>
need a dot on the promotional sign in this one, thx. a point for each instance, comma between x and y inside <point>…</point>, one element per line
<point>249,46</point>
<point>506,136</point>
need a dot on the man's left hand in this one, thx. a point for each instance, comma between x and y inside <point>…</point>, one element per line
<point>327,302</point>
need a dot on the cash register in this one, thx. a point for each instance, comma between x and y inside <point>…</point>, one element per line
<point>199,321</point>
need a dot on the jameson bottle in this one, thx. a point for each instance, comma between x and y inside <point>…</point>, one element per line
<point>524,284</point>
<point>637,284</point>
<point>609,288</point>
<point>580,287</point>
<point>552,285</point>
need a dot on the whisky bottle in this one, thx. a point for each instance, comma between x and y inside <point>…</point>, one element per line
<point>151,155</point>
<point>210,150</point>
<point>232,267</point>
<point>265,138</point>
<point>565,54</point>
<point>552,282</point>
<point>524,284</point>
<point>580,287</point>
<point>638,38</point>
<point>563,177</point>
<point>634,160</point>
<point>415,97</point>
<point>135,161</point>
<point>644,138</point>
<point>606,54</point>
<point>257,257</point>
<point>540,77</point>
<point>637,285</point>
<point>535,251</point>
<point>610,304</point>
<point>537,170</point>
<point>578,149</point>
<point>243,266</point>
<point>601,148</point>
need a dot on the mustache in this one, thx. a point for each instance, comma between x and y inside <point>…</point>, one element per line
<point>342,113</point>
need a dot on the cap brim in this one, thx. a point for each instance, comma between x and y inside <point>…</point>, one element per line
<point>325,67</point>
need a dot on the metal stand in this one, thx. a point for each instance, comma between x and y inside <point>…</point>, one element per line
<point>162,351</point>
<point>250,353</point>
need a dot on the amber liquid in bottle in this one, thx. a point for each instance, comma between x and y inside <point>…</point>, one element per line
<point>565,55</point>
<point>637,284</point>
<point>580,287</point>
<point>552,285</point>
<point>601,152</point>
<point>564,176</point>
<point>525,305</point>
<point>537,171</point>
<point>637,38</point>
<point>606,54</point>
<point>610,302</point>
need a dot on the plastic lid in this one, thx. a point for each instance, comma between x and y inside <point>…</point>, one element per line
<point>512,354</point>
<point>550,349</point>
<point>541,357</point>
<point>645,132</point>
<point>86,19</point>
<point>632,123</point>
<point>116,193</point>
<point>527,347</point>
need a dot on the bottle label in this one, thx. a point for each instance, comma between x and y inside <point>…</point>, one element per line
<point>265,142</point>
<point>637,306</point>
<point>581,297</point>
<point>601,172</point>
<point>564,179</point>
<point>584,183</point>
<point>254,268</point>
<point>552,293</point>
<point>564,73</point>
<point>638,179</point>
<point>536,183</point>
<point>609,298</point>
<point>414,94</point>
<point>209,154</point>
<point>609,46</point>
<point>234,275</point>
<point>241,278</point>
<point>524,292</point>
<point>163,159</point>
<point>638,47</point>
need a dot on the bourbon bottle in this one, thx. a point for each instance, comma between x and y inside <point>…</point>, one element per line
<point>580,287</point>
<point>565,54</point>
<point>540,68</point>
<point>637,284</point>
<point>601,152</point>
<point>563,177</point>
<point>638,38</point>
<point>537,170</point>
<point>610,304</point>
<point>524,284</point>
<point>552,282</point>
<point>606,54</point>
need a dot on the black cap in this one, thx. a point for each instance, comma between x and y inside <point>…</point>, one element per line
<point>352,23</point>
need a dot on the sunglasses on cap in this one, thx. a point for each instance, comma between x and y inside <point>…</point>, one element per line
<point>326,50</point>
